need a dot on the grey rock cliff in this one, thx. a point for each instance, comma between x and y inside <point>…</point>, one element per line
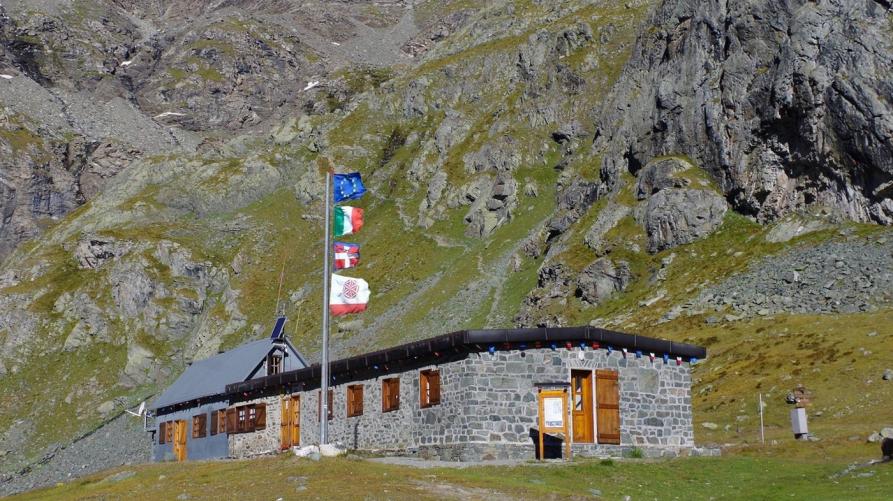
<point>786,104</point>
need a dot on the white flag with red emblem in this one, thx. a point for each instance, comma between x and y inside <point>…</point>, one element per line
<point>348,295</point>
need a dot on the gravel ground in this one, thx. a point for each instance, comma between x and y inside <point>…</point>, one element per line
<point>833,277</point>
<point>121,441</point>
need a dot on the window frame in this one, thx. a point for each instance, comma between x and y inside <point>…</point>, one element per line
<point>275,363</point>
<point>242,419</point>
<point>390,394</point>
<point>200,425</point>
<point>355,396</point>
<point>425,383</point>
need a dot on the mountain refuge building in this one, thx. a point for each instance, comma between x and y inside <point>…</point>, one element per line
<point>190,415</point>
<point>475,395</point>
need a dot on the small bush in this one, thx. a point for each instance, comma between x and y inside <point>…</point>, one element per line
<point>636,453</point>
<point>607,462</point>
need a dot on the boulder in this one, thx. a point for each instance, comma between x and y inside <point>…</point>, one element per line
<point>331,450</point>
<point>680,216</point>
<point>306,451</point>
<point>601,279</point>
<point>658,175</point>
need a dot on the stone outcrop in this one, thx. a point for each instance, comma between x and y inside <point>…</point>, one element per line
<point>786,104</point>
<point>601,279</point>
<point>680,216</point>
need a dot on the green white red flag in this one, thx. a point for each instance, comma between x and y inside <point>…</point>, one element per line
<point>348,220</point>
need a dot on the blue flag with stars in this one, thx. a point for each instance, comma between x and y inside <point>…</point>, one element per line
<point>348,187</point>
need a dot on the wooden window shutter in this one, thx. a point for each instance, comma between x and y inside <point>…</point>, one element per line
<point>331,402</point>
<point>260,420</point>
<point>390,394</point>
<point>214,422</point>
<point>162,433</point>
<point>231,423</point>
<point>434,387</point>
<point>169,431</point>
<point>319,405</point>
<point>607,393</point>
<point>355,400</point>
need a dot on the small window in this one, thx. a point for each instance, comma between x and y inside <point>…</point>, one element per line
<point>429,388</point>
<point>355,400</point>
<point>330,403</point>
<point>252,417</point>
<point>246,418</point>
<point>390,394</point>
<point>199,425</point>
<point>274,364</point>
<point>242,416</point>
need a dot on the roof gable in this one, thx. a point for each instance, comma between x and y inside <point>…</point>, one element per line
<point>209,377</point>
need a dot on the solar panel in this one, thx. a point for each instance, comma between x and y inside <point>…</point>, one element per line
<point>278,329</point>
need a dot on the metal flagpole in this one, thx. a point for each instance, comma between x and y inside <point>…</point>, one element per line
<point>326,279</point>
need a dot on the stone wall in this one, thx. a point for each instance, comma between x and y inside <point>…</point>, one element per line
<point>264,441</point>
<point>488,408</point>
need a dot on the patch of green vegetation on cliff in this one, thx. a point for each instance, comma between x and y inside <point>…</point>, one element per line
<point>20,139</point>
<point>220,45</point>
<point>63,275</point>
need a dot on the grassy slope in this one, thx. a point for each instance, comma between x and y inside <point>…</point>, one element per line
<point>285,477</point>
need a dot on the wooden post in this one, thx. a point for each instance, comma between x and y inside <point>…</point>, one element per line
<point>542,427</point>
<point>762,434</point>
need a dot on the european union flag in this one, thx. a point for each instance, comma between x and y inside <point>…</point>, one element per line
<point>348,187</point>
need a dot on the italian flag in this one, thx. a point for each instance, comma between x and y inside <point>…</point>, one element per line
<point>348,295</point>
<point>348,220</point>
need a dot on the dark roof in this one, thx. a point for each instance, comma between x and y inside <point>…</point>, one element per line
<point>209,377</point>
<point>471,341</point>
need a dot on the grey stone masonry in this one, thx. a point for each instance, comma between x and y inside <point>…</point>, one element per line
<point>488,408</point>
<point>263,441</point>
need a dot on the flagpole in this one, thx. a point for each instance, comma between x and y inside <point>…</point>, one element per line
<point>326,279</point>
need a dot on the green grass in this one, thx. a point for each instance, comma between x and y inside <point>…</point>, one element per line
<point>825,353</point>
<point>286,477</point>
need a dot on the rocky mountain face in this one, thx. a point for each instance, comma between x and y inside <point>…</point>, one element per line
<point>640,165</point>
<point>786,104</point>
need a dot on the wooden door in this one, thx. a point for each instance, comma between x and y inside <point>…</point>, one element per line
<point>285,423</point>
<point>581,388</point>
<point>290,428</point>
<point>295,420</point>
<point>607,394</point>
<point>180,440</point>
